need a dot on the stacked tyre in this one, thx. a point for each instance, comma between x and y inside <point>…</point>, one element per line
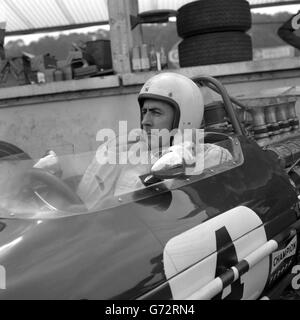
<point>214,31</point>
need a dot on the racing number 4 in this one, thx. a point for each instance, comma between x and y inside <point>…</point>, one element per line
<point>226,258</point>
<point>214,257</point>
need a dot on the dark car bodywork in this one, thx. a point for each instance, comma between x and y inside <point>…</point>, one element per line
<point>167,241</point>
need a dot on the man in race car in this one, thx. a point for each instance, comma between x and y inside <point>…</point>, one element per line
<point>167,101</point>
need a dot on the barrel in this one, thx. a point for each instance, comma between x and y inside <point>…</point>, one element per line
<point>98,53</point>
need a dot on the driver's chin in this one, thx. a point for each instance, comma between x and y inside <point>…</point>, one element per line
<point>154,140</point>
<point>158,142</point>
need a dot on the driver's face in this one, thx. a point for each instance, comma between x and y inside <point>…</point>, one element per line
<point>157,121</point>
<point>157,115</point>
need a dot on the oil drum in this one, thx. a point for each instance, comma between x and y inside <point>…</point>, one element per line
<point>98,53</point>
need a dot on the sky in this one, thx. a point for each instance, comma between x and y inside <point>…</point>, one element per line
<point>274,10</point>
<point>34,37</point>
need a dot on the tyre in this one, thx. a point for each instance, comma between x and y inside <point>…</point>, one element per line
<point>215,48</point>
<point>213,16</point>
<point>8,150</point>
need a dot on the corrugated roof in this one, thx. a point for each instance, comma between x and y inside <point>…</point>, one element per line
<point>28,16</point>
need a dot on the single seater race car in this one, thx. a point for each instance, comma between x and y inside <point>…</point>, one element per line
<point>230,232</point>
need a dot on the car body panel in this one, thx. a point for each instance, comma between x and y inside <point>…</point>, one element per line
<point>118,253</point>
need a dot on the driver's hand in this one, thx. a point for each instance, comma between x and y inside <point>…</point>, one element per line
<point>176,156</point>
<point>50,163</point>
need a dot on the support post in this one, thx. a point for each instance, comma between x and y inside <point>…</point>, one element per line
<point>123,39</point>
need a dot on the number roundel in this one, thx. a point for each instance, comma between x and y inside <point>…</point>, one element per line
<point>196,258</point>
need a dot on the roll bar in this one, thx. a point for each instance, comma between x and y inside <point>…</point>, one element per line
<point>216,86</point>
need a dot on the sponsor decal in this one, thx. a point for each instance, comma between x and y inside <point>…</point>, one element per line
<point>280,256</point>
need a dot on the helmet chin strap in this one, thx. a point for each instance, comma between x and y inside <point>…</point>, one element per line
<point>171,141</point>
<point>176,118</point>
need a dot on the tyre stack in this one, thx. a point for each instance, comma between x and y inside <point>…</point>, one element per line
<point>214,31</point>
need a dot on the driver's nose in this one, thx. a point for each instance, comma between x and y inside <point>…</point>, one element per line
<point>147,120</point>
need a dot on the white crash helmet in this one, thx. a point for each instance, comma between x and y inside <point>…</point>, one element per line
<point>181,93</point>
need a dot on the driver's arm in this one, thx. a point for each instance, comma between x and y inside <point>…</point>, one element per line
<point>99,179</point>
<point>191,157</point>
<point>215,155</point>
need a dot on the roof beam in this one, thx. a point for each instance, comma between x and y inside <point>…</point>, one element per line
<point>273,4</point>
<point>55,29</point>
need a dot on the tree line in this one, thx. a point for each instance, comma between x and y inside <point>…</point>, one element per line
<point>263,33</point>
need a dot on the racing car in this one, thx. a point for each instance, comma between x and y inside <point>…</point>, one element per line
<point>230,232</point>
